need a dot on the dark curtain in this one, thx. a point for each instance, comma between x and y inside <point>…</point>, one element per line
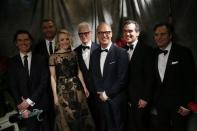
<point>27,14</point>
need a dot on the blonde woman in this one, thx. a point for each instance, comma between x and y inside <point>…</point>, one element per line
<point>69,90</point>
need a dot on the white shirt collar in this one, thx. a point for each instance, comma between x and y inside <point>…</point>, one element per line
<point>168,47</point>
<point>29,54</point>
<point>108,46</point>
<point>87,44</point>
<point>47,41</point>
<point>134,43</point>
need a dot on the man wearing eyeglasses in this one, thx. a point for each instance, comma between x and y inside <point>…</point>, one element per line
<point>109,70</point>
<point>141,77</point>
<point>84,51</point>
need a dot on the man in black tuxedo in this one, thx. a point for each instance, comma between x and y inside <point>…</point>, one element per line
<point>84,52</point>
<point>28,77</point>
<point>140,77</point>
<point>109,70</point>
<point>175,80</point>
<point>47,45</point>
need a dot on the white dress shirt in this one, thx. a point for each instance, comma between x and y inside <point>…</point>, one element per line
<point>29,58</point>
<point>130,52</point>
<point>162,61</point>
<point>103,57</point>
<point>86,54</point>
<point>47,45</point>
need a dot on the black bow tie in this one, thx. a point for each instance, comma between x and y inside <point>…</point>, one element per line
<point>127,47</point>
<point>85,47</point>
<point>104,50</point>
<point>162,51</point>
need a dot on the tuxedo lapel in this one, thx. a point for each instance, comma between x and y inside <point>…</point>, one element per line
<point>19,61</point>
<point>135,52</point>
<point>157,70</point>
<point>108,59</point>
<point>106,66</point>
<point>20,65</point>
<point>24,76</point>
<point>32,67</point>
<point>81,58</point>
<point>45,49</point>
<point>97,61</point>
<point>94,46</point>
<point>170,59</point>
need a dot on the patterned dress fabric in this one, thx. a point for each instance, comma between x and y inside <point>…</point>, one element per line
<point>72,113</point>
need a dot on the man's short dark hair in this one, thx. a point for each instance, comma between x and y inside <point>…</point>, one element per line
<point>166,24</point>
<point>47,20</point>
<point>127,22</point>
<point>18,32</point>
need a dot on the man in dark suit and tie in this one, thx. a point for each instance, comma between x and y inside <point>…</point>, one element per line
<point>140,77</point>
<point>47,45</point>
<point>28,77</point>
<point>109,70</point>
<point>84,52</point>
<point>175,80</point>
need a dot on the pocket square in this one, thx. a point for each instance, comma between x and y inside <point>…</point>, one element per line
<point>175,62</point>
<point>112,62</point>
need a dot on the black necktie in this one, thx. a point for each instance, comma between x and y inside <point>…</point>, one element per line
<point>129,47</point>
<point>50,48</point>
<point>104,50</point>
<point>26,63</point>
<point>162,51</point>
<point>85,47</point>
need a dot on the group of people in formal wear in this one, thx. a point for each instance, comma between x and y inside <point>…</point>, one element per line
<point>100,86</point>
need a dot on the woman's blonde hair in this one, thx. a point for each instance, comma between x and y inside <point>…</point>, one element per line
<point>64,31</point>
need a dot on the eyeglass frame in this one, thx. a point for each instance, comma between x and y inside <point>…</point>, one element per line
<point>104,32</point>
<point>83,33</point>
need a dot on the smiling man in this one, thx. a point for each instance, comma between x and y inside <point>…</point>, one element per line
<point>28,77</point>
<point>84,52</point>
<point>47,45</point>
<point>175,81</point>
<point>141,77</point>
<point>109,70</point>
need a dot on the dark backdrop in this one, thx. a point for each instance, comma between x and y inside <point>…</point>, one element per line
<point>27,14</point>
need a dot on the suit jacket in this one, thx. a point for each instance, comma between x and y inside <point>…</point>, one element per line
<point>113,82</point>
<point>86,72</point>
<point>177,88</point>
<point>41,48</point>
<point>34,86</point>
<point>141,74</point>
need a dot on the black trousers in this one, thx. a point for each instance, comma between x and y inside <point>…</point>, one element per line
<point>138,119</point>
<point>32,124</point>
<point>170,120</point>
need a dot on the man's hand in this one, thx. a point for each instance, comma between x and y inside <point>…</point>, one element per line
<point>103,96</point>
<point>183,111</point>
<point>142,103</point>
<point>23,105</point>
<point>25,114</point>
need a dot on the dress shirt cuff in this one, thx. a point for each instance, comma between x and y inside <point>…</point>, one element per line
<point>105,95</point>
<point>30,102</point>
